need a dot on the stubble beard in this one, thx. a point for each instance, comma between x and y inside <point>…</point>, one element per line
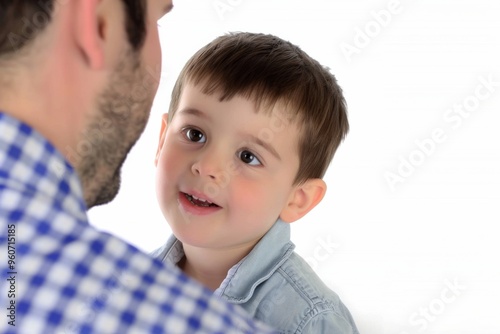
<point>123,112</point>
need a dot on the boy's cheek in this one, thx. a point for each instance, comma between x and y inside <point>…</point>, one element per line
<point>251,198</point>
<point>171,156</point>
<point>167,168</point>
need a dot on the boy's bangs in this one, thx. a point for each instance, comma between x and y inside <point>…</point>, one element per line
<point>264,97</point>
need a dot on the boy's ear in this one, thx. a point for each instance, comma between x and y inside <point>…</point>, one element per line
<point>163,132</point>
<point>303,199</point>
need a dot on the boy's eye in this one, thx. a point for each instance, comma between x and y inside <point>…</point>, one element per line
<point>249,158</point>
<point>194,135</point>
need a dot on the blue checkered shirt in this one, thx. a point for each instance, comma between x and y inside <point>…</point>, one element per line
<point>61,275</point>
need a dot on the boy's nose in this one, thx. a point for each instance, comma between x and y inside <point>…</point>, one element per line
<point>197,170</point>
<point>208,166</point>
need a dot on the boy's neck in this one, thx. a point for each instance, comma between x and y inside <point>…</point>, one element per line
<point>209,266</point>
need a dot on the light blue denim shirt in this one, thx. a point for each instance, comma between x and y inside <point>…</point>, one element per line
<point>276,286</point>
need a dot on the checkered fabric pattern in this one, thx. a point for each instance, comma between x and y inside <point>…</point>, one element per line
<point>71,278</point>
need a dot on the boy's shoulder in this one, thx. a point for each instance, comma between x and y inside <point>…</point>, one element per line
<point>278,287</point>
<point>296,300</point>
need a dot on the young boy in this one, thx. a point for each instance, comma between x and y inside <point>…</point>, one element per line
<point>252,127</point>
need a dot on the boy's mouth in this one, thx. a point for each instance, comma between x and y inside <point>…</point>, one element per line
<point>199,201</point>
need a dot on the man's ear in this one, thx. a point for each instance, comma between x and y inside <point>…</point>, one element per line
<point>99,32</point>
<point>163,132</point>
<point>303,199</point>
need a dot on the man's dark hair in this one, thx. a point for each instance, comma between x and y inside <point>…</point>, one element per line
<point>22,20</point>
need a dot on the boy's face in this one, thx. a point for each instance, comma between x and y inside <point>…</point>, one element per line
<point>242,162</point>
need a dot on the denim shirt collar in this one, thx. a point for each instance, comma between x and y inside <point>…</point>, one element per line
<point>264,259</point>
<point>243,278</point>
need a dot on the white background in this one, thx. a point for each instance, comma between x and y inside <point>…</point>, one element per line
<point>391,253</point>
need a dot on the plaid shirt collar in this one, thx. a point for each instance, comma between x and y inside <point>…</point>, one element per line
<point>29,161</point>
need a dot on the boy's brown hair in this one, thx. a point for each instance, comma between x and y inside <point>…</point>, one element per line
<point>269,70</point>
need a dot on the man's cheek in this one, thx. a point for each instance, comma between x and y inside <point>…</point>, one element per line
<point>152,59</point>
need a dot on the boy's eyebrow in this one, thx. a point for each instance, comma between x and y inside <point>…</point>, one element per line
<point>194,112</point>
<point>266,146</point>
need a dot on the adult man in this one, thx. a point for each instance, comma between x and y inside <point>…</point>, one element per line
<point>77,81</point>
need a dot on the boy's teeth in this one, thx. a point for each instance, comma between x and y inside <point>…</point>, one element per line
<point>199,199</point>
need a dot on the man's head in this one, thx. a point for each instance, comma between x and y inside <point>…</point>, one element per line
<point>23,20</point>
<point>83,73</point>
<point>252,126</point>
